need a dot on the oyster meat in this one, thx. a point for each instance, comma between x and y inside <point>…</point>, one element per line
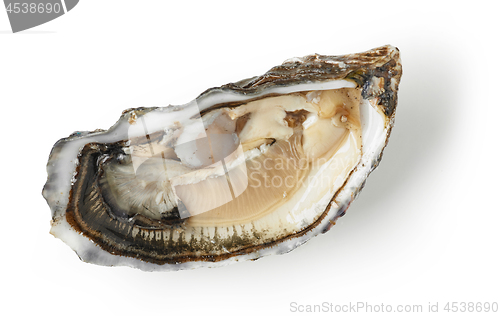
<point>248,169</point>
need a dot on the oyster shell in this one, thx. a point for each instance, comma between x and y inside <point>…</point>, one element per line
<point>249,169</point>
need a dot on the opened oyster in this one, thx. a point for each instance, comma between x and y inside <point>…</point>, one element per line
<point>248,169</point>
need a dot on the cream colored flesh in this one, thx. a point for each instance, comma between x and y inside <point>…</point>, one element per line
<point>294,150</point>
<point>303,163</point>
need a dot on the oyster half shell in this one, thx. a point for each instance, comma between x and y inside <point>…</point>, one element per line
<point>252,168</point>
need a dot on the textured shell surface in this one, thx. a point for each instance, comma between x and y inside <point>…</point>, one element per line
<point>245,170</point>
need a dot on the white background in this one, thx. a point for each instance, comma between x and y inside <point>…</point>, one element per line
<point>424,229</point>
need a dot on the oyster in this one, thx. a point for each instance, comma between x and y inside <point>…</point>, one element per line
<point>252,168</point>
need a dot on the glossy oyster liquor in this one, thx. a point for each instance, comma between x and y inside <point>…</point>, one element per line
<point>249,169</point>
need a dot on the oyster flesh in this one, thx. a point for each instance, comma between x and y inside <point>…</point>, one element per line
<point>248,169</point>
